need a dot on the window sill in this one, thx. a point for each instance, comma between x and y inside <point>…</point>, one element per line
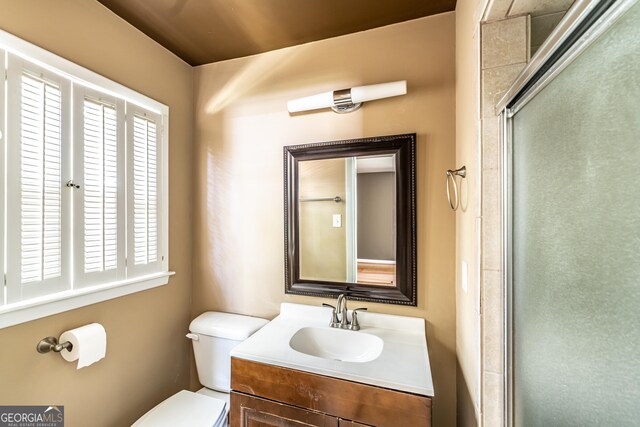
<point>36,308</point>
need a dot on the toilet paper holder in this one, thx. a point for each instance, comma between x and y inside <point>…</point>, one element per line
<point>51,344</point>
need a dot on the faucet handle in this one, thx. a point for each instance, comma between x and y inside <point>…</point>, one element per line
<point>334,315</point>
<point>355,326</point>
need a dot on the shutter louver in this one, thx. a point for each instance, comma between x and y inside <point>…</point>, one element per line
<point>40,180</point>
<point>100,187</point>
<point>145,191</point>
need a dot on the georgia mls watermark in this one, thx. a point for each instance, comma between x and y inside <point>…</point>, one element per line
<point>32,416</point>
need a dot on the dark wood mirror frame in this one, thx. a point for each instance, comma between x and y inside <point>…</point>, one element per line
<point>403,146</point>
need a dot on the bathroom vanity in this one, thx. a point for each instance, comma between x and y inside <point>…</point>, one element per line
<point>299,371</point>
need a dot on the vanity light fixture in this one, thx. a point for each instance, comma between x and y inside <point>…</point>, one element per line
<point>348,100</point>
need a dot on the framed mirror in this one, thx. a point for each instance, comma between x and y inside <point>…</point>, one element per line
<point>350,219</point>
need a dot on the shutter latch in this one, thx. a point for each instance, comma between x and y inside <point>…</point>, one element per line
<point>72,184</point>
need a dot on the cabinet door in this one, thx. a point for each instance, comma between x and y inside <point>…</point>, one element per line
<point>249,411</point>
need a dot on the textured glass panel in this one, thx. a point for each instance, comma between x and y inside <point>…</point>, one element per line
<point>576,259</point>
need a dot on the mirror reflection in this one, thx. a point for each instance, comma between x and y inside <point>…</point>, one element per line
<point>347,219</point>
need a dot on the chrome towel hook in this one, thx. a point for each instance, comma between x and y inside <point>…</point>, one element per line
<point>451,177</point>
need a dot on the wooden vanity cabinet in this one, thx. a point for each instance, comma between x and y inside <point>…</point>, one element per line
<point>266,395</point>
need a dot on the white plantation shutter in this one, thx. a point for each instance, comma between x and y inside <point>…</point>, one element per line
<point>83,185</point>
<point>145,194</point>
<point>99,202</point>
<point>41,180</point>
<point>144,143</point>
<point>38,261</point>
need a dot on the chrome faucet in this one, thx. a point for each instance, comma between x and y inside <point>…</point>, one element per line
<point>339,315</point>
<point>341,307</point>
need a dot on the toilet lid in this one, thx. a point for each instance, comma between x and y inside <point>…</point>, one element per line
<point>185,409</point>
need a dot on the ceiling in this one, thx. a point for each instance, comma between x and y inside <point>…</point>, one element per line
<point>205,31</point>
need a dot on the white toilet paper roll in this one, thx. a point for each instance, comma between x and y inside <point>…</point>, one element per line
<point>89,344</point>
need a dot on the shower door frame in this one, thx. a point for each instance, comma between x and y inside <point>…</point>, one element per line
<point>584,23</point>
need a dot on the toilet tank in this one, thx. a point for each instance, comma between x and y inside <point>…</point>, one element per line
<point>216,334</point>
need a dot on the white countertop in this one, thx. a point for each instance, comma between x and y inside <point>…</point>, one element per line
<point>402,365</point>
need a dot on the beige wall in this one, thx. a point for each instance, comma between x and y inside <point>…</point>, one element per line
<point>468,14</point>
<point>241,126</point>
<point>323,247</point>
<point>147,355</point>
<point>491,54</point>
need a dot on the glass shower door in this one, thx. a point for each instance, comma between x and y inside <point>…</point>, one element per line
<point>575,239</point>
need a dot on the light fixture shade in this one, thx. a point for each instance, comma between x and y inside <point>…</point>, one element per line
<point>313,102</point>
<point>379,91</point>
<point>358,94</point>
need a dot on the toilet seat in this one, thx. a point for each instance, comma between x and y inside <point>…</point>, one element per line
<point>186,409</point>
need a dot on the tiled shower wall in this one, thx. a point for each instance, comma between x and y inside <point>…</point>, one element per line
<point>504,53</point>
<point>511,31</point>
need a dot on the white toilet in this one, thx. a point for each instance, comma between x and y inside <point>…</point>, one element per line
<point>214,335</point>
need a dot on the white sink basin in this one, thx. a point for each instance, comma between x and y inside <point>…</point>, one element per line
<point>389,351</point>
<point>337,344</point>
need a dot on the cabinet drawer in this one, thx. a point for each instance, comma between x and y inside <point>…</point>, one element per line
<point>347,423</point>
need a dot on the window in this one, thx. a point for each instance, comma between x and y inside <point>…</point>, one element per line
<point>83,217</point>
